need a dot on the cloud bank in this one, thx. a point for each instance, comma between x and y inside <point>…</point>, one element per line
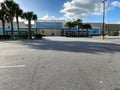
<point>83,8</point>
<point>46,17</point>
<point>116,4</point>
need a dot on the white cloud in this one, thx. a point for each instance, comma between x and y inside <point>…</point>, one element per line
<point>116,4</point>
<point>0,3</point>
<point>23,20</point>
<point>20,19</point>
<point>82,8</point>
<point>26,22</point>
<point>46,17</point>
<point>1,0</point>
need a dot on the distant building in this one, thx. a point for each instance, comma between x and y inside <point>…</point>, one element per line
<point>50,27</point>
<point>110,29</point>
<point>23,28</point>
<point>95,30</point>
<point>56,28</point>
<point>113,29</point>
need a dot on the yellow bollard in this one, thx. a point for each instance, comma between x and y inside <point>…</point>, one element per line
<point>102,37</point>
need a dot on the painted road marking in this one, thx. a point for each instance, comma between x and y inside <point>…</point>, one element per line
<point>15,66</point>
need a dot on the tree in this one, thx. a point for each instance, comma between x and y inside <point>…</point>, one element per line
<point>35,20</point>
<point>29,16</point>
<point>18,13</point>
<point>9,6</point>
<point>87,26</point>
<point>78,23</point>
<point>3,18</point>
<point>69,25</point>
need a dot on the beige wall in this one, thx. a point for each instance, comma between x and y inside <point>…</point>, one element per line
<point>100,25</point>
<point>48,32</point>
<point>109,28</point>
<point>112,28</point>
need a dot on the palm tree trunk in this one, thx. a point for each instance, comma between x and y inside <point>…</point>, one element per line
<point>3,25</point>
<point>18,24</point>
<point>35,27</point>
<point>12,31</point>
<point>29,27</point>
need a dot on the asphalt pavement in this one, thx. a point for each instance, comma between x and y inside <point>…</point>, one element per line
<point>60,63</point>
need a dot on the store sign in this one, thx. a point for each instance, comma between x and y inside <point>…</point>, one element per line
<point>49,25</point>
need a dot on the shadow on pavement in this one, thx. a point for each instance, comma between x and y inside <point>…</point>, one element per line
<point>71,46</point>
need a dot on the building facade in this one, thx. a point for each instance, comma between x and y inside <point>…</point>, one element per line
<point>113,29</point>
<point>23,28</point>
<point>95,30</point>
<point>50,27</point>
<point>56,28</point>
<point>110,29</point>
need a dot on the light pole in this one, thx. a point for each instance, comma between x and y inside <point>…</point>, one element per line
<point>103,29</point>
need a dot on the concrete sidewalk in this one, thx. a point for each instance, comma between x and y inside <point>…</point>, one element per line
<point>111,39</point>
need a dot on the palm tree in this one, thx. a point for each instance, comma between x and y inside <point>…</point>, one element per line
<point>87,26</point>
<point>35,21</point>
<point>3,18</point>
<point>29,16</point>
<point>78,23</point>
<point>69,25</point>
<point>18,13</point>
<point>9,6</point>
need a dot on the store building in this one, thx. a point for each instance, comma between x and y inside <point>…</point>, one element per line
<point>110,29</point>
<point>23,28</point>
<point>56,28</point>
<point>95,30</point>
<point>113,29</point>
<point>50,27</point>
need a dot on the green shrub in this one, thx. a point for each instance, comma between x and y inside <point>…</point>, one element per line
<point>113,34</point>
<point>95,34</point>
<point>37,36</point>
<point>4,37</point>
<point>21,36</point>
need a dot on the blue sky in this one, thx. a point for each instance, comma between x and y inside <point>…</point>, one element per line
<point>87,10</point>
<point>43,7</point>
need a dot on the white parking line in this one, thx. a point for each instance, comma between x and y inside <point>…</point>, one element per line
<point>15,66</point>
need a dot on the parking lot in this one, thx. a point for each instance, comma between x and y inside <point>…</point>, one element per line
<point>60,63</point>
